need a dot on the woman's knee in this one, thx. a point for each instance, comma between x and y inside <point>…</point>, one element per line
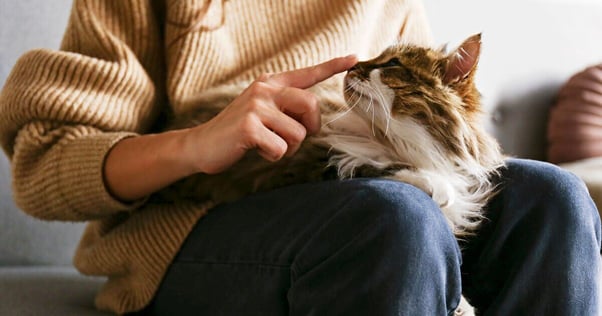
<point>545,178</point>
<point>392,229</point>
<point>561,197</point>
<point>390,240</point>
<point>401,213</point>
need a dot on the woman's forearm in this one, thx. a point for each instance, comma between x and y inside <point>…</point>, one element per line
<point>139,166</point>
<point>272,116</point>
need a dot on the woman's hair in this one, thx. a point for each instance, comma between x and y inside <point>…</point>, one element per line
<point>198,24</point>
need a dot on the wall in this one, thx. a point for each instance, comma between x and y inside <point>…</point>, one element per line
<point>530,47</point>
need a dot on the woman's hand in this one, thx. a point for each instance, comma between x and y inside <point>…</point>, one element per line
<point>273,116</point>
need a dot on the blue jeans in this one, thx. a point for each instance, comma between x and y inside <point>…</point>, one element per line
<point>379,247</point>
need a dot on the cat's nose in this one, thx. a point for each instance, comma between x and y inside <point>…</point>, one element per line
<point>358,67</point>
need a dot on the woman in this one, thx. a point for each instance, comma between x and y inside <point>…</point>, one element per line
<point>82,127</point>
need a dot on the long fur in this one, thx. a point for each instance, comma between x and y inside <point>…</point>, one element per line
<point>460,184</point>
<point>400,116</point>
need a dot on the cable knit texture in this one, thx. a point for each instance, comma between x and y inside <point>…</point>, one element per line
<point>122,65</point>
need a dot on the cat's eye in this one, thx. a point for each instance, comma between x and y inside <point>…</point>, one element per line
<point>393,62</point>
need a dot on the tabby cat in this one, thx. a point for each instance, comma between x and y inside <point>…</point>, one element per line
<point>411,114</point>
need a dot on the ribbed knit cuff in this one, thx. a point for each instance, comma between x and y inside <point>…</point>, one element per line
<point>80,176</point>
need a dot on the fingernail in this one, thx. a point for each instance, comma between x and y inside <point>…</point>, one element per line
<point>351,58</point>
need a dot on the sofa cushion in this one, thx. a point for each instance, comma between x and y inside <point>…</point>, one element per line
<point>574,130</point>
<point>49,291</point>
<point>590,170</point>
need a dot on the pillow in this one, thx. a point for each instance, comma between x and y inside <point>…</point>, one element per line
<point>575,123</point>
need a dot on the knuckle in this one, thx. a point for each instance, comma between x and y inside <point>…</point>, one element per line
<point>255,89</point>
<point>248,127</point>
<point>299,136</point>
<point>276,151</point>
<point>296,135</point>
<point>313,101</point>
<point>254,106</point>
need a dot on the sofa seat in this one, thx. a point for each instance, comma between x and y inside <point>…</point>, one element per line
<point>48,291</point>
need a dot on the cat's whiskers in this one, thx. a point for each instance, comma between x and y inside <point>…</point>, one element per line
<point>350,87</point>
<point>386,111</point>
<point>341,115</point>
<point>374,92</point>
<point>365,95</point>
<point>371,106</point>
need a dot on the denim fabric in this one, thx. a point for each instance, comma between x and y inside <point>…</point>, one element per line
<point>380,247</point>
<point>539,253</point>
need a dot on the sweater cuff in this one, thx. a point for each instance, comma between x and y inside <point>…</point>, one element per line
<point>80,176</point>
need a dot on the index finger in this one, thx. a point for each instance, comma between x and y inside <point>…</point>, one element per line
<point>306,77</point>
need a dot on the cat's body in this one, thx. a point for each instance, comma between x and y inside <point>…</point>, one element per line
<point>411,114</point>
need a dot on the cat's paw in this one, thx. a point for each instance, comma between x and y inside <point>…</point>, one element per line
<point>437,188</point>
<point>464,308</point>
<point>443,193</point>
<point>417,179</point>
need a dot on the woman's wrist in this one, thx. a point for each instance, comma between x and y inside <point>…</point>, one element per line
<point>139,166</point>
<point>175,154</point>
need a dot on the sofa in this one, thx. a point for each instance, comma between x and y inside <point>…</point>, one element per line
<point>530,47</point>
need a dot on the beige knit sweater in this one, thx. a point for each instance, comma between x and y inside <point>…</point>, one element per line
<point>122,63</point>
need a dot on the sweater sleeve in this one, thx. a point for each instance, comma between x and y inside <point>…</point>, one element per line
<point>62,111</point>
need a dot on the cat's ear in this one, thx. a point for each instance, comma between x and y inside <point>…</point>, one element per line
<point>462,61</point>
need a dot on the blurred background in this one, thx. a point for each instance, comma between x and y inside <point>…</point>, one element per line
<point>27,24</point>
<point>530,47</point>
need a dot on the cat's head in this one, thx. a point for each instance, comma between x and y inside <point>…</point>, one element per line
<point>409,87</point>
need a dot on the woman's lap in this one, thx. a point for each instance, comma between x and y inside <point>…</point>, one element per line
<point>268,252</point>
<point>284,251</point>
